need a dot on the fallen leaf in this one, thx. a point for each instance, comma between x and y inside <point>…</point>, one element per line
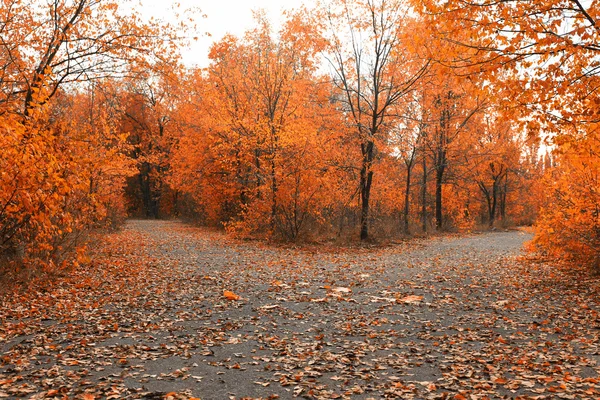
<point>341,290</point>
<point>410,299</point>
<point>230,295</point>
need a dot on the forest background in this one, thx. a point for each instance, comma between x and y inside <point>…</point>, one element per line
<point>355,120</point>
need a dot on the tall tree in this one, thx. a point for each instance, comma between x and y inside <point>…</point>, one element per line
<point>48,44</point>
<point>373,71</point>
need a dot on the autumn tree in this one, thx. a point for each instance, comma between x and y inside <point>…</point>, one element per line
<point>373,72</point>
<point>407,140</point>
<point>261,152</point>
<point>542,58</point>
<point>61,161</point>
<point>569,222</point>
<point>497,160</point>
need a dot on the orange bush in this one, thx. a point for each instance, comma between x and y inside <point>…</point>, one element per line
<point>569,222</point>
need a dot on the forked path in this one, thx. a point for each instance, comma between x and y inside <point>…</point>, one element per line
<point>455,317</point>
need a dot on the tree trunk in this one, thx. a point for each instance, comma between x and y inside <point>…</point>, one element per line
<point>494,203</point>
<point>407,197</point>
<point>366,179</point>
<point>274,183</point>
<point>439,176</point>
<point>257,174</point>
<point>424,196</point>
<point>503,199</point>
<point>274,189</point>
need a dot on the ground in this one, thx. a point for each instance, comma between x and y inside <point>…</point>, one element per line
<point>461,317</point>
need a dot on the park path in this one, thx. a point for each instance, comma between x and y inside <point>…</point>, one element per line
<point>460,317</point>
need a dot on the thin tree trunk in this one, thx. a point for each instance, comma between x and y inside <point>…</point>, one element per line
<point>407,197</point>
<point>366,180</point>
<point>503,199</point>
<point>274,189</point>
<point>424,195</point>
<point>494,204</point>
<point>439,176</point>
<point>259,182</point>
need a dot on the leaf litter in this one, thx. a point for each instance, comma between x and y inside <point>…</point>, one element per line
<point>171,311</point>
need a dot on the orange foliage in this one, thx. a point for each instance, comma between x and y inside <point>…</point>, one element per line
<point>569,223</point>
<point>541,59</point>
<point>258,144</point>
<point>62,155</point>
<point>429,117</point>
<point>63,171</point>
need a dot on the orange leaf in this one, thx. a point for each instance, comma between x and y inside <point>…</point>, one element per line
<point>230,295</point>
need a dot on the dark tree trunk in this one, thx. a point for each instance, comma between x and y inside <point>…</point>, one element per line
<point>489,201</point>
<point>257,174</point>
<point>366,180</point>
<point>492,205</point>
<point>503,199</point>
<point>274,189</point>
<point>424,196</point>
<point>439,176</point>
<point>407,196</point>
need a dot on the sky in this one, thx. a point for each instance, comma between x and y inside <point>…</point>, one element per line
<point>222,17</point>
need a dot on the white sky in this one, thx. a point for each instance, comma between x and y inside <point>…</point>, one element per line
<point>222,17</point>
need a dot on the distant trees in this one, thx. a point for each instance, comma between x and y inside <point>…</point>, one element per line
<point>268,144</point>
<point>259,144</point>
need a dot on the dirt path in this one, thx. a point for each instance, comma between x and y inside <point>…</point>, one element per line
<point>445,318</point>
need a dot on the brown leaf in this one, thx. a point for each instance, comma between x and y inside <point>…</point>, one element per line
<point>412,299</point>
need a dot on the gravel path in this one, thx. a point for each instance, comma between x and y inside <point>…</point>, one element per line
<point>454,317</point>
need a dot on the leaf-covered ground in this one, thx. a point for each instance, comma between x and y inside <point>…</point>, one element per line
<point>454,317</point>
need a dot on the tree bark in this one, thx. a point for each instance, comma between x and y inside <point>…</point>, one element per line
<point>424,195</point>
<point>407,196</point>
<point>503,199</point>
<point>494,204</point>
<point>439,176</point>
<point>366,180</point>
